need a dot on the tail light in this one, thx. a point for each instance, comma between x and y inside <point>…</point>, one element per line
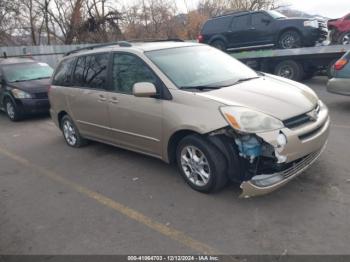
<point>200,39</point>
<point>340,64</point>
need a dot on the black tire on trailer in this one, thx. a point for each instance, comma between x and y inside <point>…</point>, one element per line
<point>290,39</point>
<point>219,44</point>
<point>290,69</point>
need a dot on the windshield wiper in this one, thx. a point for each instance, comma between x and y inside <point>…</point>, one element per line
<point>245,79</point>
<point>19,80</point>
<point>22,80</point>
<point>200,87</point>
<point>38,78</point>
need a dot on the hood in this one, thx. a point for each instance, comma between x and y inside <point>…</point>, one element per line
<point>32,86</point>
<point>276,96</point>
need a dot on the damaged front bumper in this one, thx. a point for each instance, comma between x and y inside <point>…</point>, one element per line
<point>305,144</point>
<point>264,184</point>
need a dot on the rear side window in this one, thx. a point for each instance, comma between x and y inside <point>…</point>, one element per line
<point>217,25</point>
<point>63,73</point>
<point>129,69</point>
<point>241,23</point>
<point>91,71</point>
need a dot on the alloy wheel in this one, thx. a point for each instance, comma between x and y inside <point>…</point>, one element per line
<point>289,40</point>
<point>195,165</point>
<point>69,133</point>
<point>10,109</point>
<point>346,39</point>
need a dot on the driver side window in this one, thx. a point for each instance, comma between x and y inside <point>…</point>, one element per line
<point>129,69</point>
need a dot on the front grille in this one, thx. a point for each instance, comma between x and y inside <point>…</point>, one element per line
<point>300,119</point>
<point>297,121</point>
<point>41,95</point>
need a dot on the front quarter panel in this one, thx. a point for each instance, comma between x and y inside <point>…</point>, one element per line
<point>188,111</point>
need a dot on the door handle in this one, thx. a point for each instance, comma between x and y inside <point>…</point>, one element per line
<point>114,100</point>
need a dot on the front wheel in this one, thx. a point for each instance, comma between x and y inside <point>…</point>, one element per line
<point>345,39</point>
<point>12,111</point>
<point>201,164</point>
<point>289,39</point>
<point>71,133</point>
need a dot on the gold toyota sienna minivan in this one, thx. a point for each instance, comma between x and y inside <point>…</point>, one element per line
<point>193,105</point>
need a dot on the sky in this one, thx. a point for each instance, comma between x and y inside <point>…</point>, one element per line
<point>327,8</point>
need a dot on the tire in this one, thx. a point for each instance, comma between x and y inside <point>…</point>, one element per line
<point>11,110</point>
<point>289,39</point>
<point>219,44</point>
<point>290,69</point>
<point>71,133</point>
<point>344,38</point>
<point>213,167</point>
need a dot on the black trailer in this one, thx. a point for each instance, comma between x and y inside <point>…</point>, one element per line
<point>296,64</point>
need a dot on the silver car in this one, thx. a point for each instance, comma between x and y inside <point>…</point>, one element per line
<point>192,105</point>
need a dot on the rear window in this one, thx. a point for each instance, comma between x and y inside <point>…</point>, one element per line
<point>63,73</point>
<point>91,71</point>
<point>217,25</point>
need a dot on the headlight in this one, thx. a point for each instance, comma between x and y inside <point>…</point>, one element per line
<point>312,23</point>
<point>250,121</point>
<point>20,94</point>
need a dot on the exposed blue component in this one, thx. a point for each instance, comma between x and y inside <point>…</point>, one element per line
<point>249,146</point>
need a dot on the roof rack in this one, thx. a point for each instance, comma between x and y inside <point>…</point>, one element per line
<point>148,40</point>
<point>91,47</point>
<point>233,13</point>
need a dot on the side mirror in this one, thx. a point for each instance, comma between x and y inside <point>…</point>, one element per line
<point>144,89</point>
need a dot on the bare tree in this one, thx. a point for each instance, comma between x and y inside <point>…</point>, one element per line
<point>213,8</point>
<point>8,23</point>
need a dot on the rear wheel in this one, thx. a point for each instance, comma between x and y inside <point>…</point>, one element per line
<point>201,164</point>
<point>12,111</point>
<point>71,133</point>
<point>289,39</point>
<point>289,69</point>
<point>219,44</point>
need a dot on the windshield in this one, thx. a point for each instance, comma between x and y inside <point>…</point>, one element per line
<point>27,71</point>
<point>196,66</point>
<point>275,14</point>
